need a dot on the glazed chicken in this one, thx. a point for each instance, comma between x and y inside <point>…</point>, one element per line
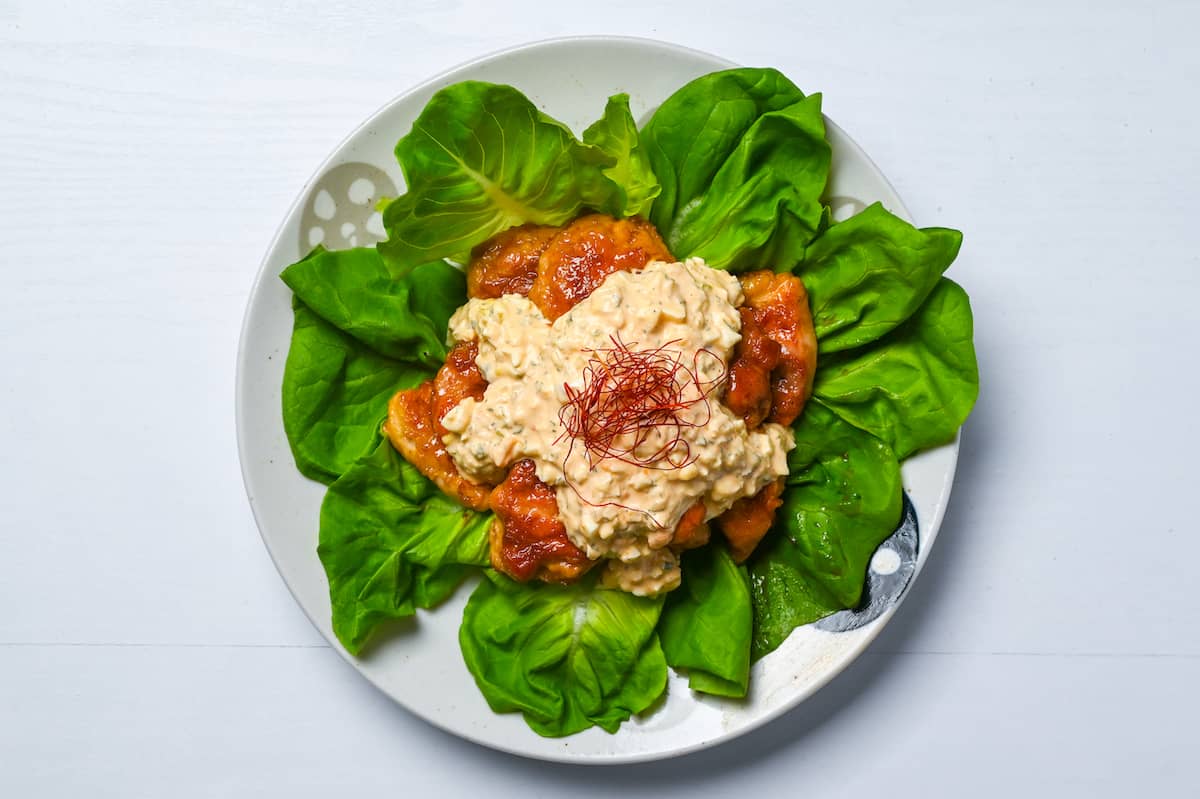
<point>754,359</point>
<point>558,267</point>
<point>414,423</point>
<point>769,379</point>
<point>527,539</point>
<point>692,530</point>
<point>745,524</point>
<point>585,252</point>
<point>778,304</point>
<point>508,263</point>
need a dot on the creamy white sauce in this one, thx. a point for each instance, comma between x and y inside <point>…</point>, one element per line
<point>624,512</point>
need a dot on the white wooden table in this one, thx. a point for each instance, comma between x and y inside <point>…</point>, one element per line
<point>147,646</point>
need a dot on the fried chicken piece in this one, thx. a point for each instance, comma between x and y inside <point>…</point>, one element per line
<point>755,357</point>
<point>507,263</point>
<point>414,423</point>
<point>528,540</point>
<point>778,304</point>
<point>585,252</point>
<point>458,379</point>
<point>692,531</point>
<point>749,519</point>
<point>770,379</point>
<point>413,431</point>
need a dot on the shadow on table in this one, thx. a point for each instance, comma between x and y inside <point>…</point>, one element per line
<point>866,676</point>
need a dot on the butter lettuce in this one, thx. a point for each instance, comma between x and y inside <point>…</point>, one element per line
<point>404,319</point>
<point>634,183</point>
<point>914,387</point>
<point>692,133</point>
<point>866,275</point>
<point>335,393</point>
<point>360,335</point>
<point>392,542</point>
<point>567,657</point>
<point>743,160</point>
<point>481,158</point>
<point>708,621</point>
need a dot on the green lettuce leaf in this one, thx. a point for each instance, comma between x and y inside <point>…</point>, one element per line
<point>694,131</point>
<point>404,319</point>
<point>868,274</point>
<point>707,623</point>
<point>481,158</point>
<point>743,160</point>
<point>843,498</point>
<point>616,134</point>
<point>335,394</point>
<point>567,657</point>
<point>392,542</point>
<point>914,387</point>
<point>360,335</point>
<point>436,291</point>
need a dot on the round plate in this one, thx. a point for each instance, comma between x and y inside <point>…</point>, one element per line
<point>422,668</point>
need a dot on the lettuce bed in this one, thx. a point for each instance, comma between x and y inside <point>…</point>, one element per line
<point>731,168</point>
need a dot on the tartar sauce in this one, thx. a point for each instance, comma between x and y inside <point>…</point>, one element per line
<point>623,512</point>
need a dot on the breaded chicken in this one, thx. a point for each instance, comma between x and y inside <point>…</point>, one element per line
<point>585,252</point>
<point>754,359</point>
<point>507,263</point>
<point>778,304</point>
<point>692,531</point>
<point>528,540</point>
<point>770,379</point>
<point>749,519</point>
<point>414,424</point>
<point>458,379</point>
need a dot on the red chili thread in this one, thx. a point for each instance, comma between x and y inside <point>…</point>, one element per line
<point>627,396</point>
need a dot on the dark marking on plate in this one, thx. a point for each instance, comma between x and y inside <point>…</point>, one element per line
<point>883,589</point>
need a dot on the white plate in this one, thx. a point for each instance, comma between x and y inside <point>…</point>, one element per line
<point>423,669</point>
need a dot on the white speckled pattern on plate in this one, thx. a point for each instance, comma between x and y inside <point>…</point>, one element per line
<point>422,668</point>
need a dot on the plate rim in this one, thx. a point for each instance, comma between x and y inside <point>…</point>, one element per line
<point>929,529</point>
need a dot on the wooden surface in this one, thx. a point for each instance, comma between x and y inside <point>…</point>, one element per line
<point>147,646</point>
